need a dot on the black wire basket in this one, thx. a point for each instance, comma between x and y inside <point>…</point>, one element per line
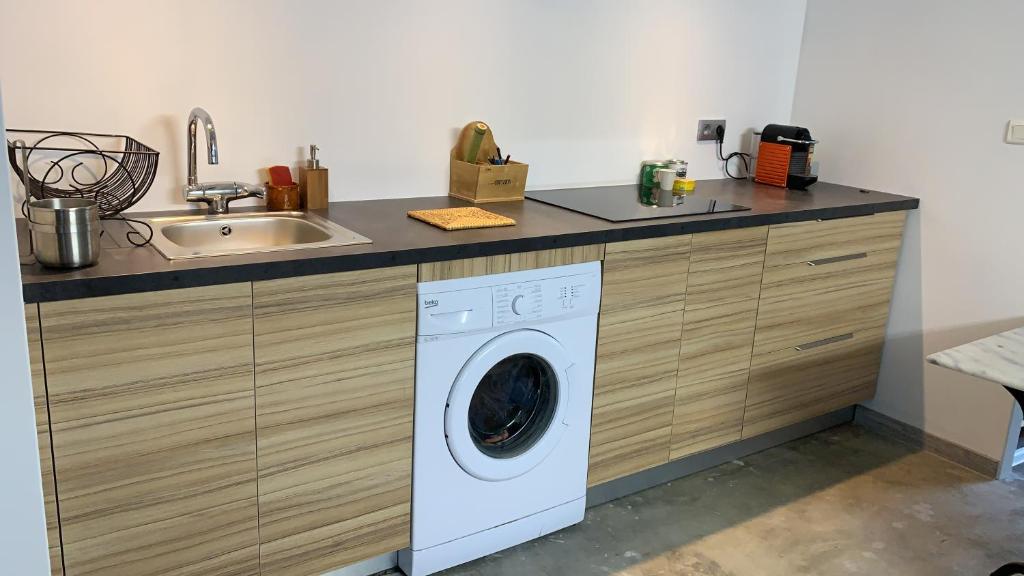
<point>115,170</point>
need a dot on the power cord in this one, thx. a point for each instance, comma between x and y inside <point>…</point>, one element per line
<point>743,156</point>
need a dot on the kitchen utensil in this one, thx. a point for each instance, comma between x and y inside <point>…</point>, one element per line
<point>65,232</point>
<point>475,139</point>
<point>461,218</point>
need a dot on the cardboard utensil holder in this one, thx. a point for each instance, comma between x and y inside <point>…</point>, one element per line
<point>480,183</point>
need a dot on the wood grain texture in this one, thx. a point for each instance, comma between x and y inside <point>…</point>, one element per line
<point>56,561</point>
<point>335,361</point>
<point>642,301</point>
<point>802,241</point>
<point>801,303</point>
<point>469,267</point>
<point>35,357</point>
<point>555,257</point>
<point>153,423</point>
<point>789,386</point>
<point>463,268</point>
<point>718,333</point>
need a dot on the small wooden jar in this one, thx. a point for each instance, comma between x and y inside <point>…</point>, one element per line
<point>282,198</point>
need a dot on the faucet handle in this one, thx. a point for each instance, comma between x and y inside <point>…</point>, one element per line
<point>218,194</point>
<point>251,190</point>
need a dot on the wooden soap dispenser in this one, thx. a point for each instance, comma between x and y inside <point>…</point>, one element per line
<point>313,182</point>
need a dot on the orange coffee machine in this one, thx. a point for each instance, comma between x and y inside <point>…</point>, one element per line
<point>784,157</point>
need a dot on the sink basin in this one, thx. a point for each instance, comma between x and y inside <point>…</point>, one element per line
<point>222,234</point>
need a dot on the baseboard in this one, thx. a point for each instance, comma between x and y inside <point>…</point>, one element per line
<point>370,567</point>
<point>921,440</point>
<point>652,477</point>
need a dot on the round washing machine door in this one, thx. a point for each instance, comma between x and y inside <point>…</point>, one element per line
<point>508,407</point>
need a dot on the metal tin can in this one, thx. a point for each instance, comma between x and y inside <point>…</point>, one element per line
<point>679,166</point>
<point>649,170</point>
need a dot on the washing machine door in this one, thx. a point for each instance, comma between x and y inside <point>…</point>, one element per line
<point>508,407</point>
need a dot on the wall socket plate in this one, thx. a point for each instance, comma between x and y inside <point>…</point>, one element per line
<point>708,129</point>
<point>1015,132</point>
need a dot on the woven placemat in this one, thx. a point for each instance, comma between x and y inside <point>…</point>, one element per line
<point>461,218</point>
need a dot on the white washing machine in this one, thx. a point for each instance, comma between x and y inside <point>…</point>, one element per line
<point>504,386</point>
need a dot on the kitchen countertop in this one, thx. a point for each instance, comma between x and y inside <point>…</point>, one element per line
<point>998,358</point>
<point>398,239</point>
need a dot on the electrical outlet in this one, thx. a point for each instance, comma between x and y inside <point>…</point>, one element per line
<point>708,129</point>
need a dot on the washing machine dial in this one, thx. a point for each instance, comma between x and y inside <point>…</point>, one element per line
<point>515,304</point>
<point>518,303</point>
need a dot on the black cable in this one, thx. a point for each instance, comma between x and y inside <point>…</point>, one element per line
<point>132,231</point>
<point>741,155</point>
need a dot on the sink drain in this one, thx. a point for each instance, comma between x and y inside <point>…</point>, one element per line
<point>225,230</point>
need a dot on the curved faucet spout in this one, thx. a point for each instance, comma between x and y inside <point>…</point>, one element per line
<point>194,117</point>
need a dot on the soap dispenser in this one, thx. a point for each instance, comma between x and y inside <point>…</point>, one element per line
<point>313,182</point>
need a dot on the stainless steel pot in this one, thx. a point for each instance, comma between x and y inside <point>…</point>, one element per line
<point>65,232</point>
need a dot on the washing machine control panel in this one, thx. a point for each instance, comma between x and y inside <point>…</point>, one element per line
<point>532,301</point>
<point>509,299</point>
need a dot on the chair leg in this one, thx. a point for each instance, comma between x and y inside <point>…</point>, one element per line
<point>1010,569</point>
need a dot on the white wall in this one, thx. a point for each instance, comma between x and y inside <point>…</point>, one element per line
<point>913,97</point>
<point>582,90</point>
<point>23,548</point>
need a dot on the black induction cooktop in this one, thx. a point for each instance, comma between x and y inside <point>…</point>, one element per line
<point>622,204</point>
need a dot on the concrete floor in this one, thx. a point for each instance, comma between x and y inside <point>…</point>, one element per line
<point>844,501</point>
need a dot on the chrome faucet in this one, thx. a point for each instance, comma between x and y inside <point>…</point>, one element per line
<point>216,195</point>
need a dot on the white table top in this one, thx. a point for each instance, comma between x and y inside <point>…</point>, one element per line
<point>998,358</point>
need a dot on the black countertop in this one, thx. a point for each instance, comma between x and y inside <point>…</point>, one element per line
<point>398,239</point>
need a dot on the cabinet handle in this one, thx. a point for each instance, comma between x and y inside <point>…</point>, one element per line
<point>824,342</point>
<point>834,259</point>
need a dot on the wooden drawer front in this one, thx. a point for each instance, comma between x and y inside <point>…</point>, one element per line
<point>819,240</point>
<point>802,303</point>
<point>334,396</point>
<point>642,300</point>
<point>153,423</point>
<point>790,385</point>
<point>484,265</point>
<point>35,356</point>
<point>555,257</point>
<point>718,331</point>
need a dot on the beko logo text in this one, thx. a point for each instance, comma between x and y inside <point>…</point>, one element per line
<point>429,303</point>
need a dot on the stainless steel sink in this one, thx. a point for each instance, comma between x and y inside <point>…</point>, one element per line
<point>221,234</point>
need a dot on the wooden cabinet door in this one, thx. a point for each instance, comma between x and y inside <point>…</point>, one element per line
<point>35,356</point>
<point>153,424</point>
<point>642,301</point>
<point>821,320</point>
<point>334,398</point>
<point>718,332</point>
<point>794,384</point>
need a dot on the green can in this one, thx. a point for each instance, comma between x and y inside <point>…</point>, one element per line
<point>649,180</point>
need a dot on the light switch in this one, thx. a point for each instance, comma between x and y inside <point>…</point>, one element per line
<point>1015,132</point>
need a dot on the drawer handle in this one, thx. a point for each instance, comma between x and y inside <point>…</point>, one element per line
<point>834,259</point>
<point>824,342</point>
